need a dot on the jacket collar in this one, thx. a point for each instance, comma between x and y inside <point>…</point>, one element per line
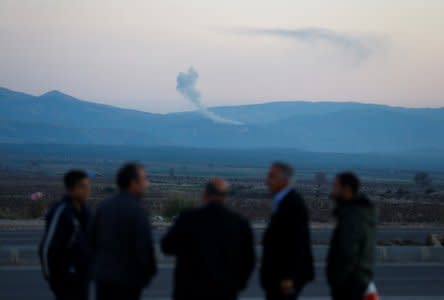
<point>281,195</point>
<point>70,204</point>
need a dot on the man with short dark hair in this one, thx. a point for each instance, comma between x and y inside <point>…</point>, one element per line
<point>64,251</point>
<point>123,254</point>
<point>214,249</point>
<point>350,261</point>
<point>287,260</point>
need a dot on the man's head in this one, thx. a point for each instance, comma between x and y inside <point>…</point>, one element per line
<point>345,187</point>
<point>77,185</point>
<point>216,190</point>
<point>132,179</point>
<point>279,177</point>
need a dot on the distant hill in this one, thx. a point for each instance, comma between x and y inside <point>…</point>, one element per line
<point>343,127</point>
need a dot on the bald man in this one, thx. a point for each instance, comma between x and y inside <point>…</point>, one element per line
<point>213,247</point>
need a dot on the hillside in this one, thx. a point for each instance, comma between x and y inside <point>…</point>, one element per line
<point>345,127</point>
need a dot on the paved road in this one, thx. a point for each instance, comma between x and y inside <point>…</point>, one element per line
<point>31,237</point>
<point>420,281</point>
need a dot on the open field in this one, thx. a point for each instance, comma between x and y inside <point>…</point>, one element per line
<point>177,176</point>
<point>398,202</point>
<point>55,159</point>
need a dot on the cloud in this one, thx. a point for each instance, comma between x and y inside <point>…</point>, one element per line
<point>186,86</point>
<point>358,46</point>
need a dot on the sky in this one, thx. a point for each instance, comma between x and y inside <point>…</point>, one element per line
<point>129,53</point>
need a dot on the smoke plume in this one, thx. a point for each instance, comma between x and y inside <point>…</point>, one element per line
<point>358,46</point>
<point>186,86</point>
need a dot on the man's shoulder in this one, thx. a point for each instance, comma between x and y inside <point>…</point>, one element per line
<point>104,204</point>
<point>293,203</point>
<point>293,198</point>
<point>119,200</point>
<point>61,213</point>
<point>58,208</point>
<point>221,211</point>
<point>294,193</point>
<point>236,218</point>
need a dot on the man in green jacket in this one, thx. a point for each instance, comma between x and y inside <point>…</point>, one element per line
<point>351,258</point>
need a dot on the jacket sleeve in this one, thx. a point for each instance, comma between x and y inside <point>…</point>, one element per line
<point>348,241</point>
<point>144,249</point>
<point>248,255</point>
<point>175,236</point>
<point>53,248</point>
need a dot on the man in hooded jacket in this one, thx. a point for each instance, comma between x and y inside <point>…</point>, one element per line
<point>351,257</point>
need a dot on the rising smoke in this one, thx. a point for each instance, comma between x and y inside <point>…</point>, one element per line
<point>361,47</point>
<point>186,86</point>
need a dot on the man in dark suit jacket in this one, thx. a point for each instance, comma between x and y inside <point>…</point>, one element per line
<point>213,247</point>
<point>121,240</point>
<point>287,261</point>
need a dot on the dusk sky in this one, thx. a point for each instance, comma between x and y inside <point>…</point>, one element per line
<point>129,53</point>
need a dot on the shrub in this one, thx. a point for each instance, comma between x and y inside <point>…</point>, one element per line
<point>177,202</point>
<point>35,209</point>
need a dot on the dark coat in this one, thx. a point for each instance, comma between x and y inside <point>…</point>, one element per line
<point>287,246</point>
<point>64,250</point>
<point>214,253</point>
<point>351,256</point>
<point>122,244</point>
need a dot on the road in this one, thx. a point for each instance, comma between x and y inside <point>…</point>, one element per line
<point>32,237</point>
<point>420,281</point>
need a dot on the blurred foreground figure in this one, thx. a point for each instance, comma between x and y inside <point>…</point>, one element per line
<point>64,251</point>
<point>214,249</point>
<point>123,254</point>
<point>350,260</point>
<point>287,261</point>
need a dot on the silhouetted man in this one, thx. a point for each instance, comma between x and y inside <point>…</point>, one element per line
<point>352,247</point>
<point>124,261</point>
<point>213,247</point>
<point>287,261</point>
<point>64,250</point>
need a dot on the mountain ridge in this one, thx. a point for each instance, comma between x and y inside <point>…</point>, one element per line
<point>343,127</point>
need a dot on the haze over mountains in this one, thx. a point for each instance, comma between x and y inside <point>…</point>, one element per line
<point>56,118</point>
